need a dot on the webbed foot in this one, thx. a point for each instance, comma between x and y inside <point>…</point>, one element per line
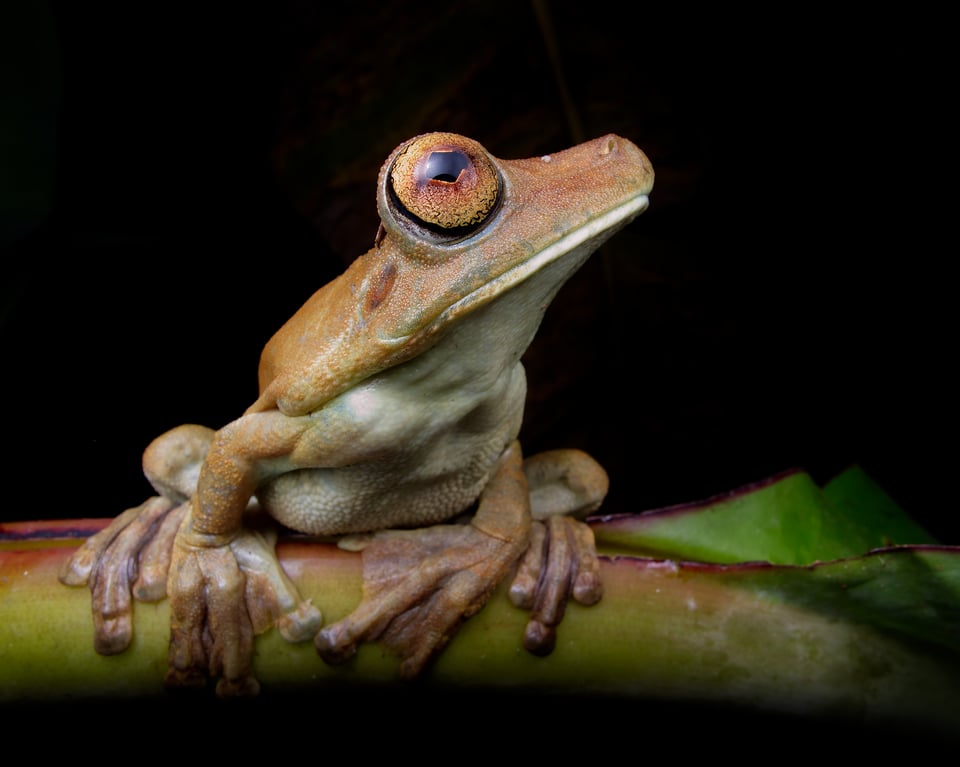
<point>420,585</point>
<point>126,560</point>
<point>560,563</point>
<point>222,594</point>
<point>129,559</point>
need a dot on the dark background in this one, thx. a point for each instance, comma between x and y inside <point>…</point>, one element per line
<point>178,180</point>
<point>181,180</point>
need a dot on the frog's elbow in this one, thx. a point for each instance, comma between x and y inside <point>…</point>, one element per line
<point>266,401</point>
<point>290,400</point>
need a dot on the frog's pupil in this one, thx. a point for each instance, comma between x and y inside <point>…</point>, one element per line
<point>445,166</point>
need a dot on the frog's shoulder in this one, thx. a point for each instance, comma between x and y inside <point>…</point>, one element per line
<point>332,342</point>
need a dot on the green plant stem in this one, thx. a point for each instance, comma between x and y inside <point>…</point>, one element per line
<point>663,630</point>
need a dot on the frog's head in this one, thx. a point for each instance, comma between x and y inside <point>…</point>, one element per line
<point>468,226</point>
<point>460,229</point>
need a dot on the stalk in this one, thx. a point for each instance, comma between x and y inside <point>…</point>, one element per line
<point>759,636</point>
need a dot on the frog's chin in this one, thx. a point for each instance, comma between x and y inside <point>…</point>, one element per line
<point>581,241</point>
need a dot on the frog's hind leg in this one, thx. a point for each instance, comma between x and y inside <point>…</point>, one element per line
<point>129,558</point>
<point>114,565</point>
<point>567,482</point>
<point>561,561</point>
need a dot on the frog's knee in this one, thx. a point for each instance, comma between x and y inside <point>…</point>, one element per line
<point>172,461</point>
<point>568,482</point>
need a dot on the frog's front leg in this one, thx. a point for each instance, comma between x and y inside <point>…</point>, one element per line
<point>420,585</point>
<point>225,583</point>
<point>151,551</point>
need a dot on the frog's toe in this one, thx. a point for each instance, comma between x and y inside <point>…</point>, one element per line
<point>301,623</point>
<point>418,587</point>
<point>337,643</point>
<point>271,597</point>
<point>154,560</point>
<point>248,687</point>
<point>210,629</point>
<point>560,563</point>
<point>109,563</point>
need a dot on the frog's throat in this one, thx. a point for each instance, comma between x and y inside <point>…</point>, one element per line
<point>606,223</point>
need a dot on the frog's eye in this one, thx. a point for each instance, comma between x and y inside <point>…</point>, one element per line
<point>445,183</point>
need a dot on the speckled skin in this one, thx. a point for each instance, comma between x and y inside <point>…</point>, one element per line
<point>389,399</point>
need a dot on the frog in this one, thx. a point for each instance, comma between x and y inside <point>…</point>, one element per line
<point>388,418</point>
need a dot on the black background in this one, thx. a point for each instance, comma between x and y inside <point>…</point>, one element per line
<point>180,179</point>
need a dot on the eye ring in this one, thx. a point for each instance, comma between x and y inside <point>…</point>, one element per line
<point>444,183</point>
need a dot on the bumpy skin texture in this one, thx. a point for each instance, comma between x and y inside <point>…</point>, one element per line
<point>392,398</point>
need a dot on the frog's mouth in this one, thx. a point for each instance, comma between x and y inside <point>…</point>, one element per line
<point>591,234</point>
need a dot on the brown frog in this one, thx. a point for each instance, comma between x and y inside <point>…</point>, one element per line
<point>390,404</point>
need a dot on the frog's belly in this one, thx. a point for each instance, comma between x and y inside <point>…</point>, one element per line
<point>372,497</point>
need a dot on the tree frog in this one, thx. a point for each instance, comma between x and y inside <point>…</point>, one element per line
<point>388,413</point>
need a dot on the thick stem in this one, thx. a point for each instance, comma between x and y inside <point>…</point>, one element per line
<point>663,631</point>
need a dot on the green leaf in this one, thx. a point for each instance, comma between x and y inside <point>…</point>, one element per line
<point>866,505</point>
<point>786,519</point>
<point>838,552</point>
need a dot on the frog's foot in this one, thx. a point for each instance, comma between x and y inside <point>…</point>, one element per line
<point>418,587</point>
<point>223,592</point>
<point>560,562</point>
<point>128,559</point>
